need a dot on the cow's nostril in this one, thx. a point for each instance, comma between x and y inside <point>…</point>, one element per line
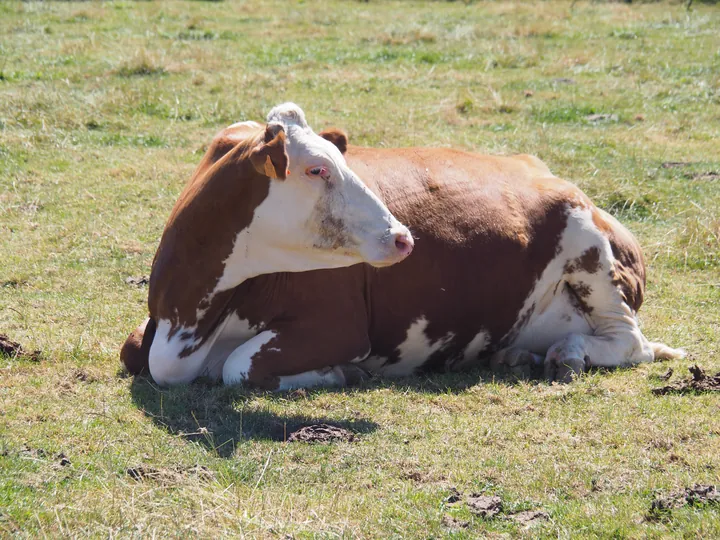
<point>404,243</point>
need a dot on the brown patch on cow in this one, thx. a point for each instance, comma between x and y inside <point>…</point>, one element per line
<point>521,323</point>
<point>138,281</point>
<point>217,203</point>
<point>529,517</point>
<point>601,223</point>
<point>321,433</point>
<point>135,352</point>
<point>483,505</point>
<point>487,233</point>
<point>628,272</point>
<point>699,382</point>
<point>588,262</point>
<point>577,293</point>
<point>698,495</point>
<point>336,136</point>
<point>14,350</point>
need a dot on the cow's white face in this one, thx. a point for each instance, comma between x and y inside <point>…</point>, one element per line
<point>321,215</point>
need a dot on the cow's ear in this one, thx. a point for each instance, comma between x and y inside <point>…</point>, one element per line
<point>336,136</point>
<point>269,157</point>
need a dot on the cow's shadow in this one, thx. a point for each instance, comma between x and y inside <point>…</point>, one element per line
<point>218,417</point>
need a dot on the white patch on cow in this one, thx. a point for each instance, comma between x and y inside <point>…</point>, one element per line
<point>238,364</point>
<point>609,335</point>
<point>167,367</point>
<point>309,379</point>
<point>248,124</point>
<point>236,331</point>
<point>580,234</point>
<point>415,350</point>
<point>477,345</point>
<point>374,364</point>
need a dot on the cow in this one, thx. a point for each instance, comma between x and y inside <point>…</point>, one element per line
<point>280,268</point>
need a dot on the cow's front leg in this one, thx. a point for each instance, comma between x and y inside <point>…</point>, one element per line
<point>288,358</point>
<point>515,361</point>
<point>178,356</point>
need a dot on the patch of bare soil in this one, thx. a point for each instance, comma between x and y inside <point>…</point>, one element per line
<point>529,517</point>
<point>138,281</point>
<point>699,382</point>
<point>708,175</point>
<point>489,506</point>
<point>59,459</point>
<point>454,524</point>
<point>321,433</point>
<point>602,118</point>
<point>485,506</point>
<point>13,349</point>
<point>675,164</point>
<point>698,495</point>
<point>142,473</point>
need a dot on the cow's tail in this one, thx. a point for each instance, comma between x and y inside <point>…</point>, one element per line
<point>663,352</point>
<point>135,353</point>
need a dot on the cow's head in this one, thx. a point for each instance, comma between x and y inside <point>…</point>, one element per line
<point>318,213</point>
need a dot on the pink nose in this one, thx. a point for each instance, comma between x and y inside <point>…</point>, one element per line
<point>404,243</point>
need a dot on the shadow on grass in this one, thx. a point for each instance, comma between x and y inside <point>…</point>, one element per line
<point>214,416</point>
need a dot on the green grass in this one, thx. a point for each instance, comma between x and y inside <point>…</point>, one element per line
<point>106,108</point>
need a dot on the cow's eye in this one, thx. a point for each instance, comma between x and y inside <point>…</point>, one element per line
<point>319,170</point>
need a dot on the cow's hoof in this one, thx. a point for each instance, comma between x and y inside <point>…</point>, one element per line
<point>516,362</point>
<point>353,374</point>
<point>565,361</point>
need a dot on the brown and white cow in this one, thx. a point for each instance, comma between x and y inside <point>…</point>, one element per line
<point>256,280</point>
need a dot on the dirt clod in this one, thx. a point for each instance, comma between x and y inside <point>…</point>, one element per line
<point>529,517</point>
<point>709,175</point>
<point>484,505</point>
<point>13,349</point>
<point>167,475</point>
<point>667,375</point>
<point>675,164</point>
<point>699,382</point>
<point>321,433</point>
<point>602,118</point>
<point>138,281</point>
<point>453,497</point>
<point>454,523</point>
<point>698,495</point>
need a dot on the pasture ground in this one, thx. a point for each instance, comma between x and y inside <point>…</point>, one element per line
<point>105,108</point>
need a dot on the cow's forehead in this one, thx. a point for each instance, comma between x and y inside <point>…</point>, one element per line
<point>304,142</point>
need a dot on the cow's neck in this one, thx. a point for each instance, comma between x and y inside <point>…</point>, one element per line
<point>213,210</point>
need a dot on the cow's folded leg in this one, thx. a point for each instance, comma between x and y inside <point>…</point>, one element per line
<point>515,361</point>
<point>278,360</point>
<point>576,353</point>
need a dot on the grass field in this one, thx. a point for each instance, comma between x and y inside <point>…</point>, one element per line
<point>105,108</point>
